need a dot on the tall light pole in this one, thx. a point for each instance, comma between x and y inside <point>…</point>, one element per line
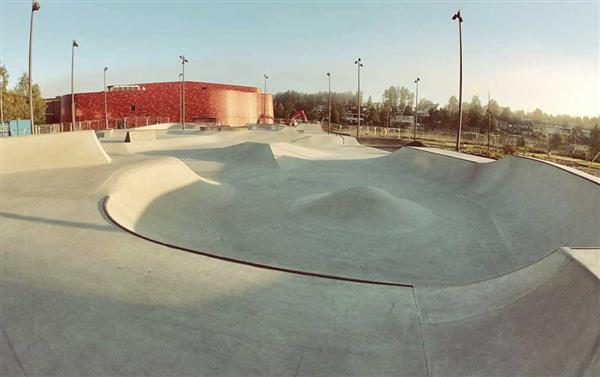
<point>2,100</point>
<point>358,64</point>
<point>181,98</point>
<point>183,61</point>
<point>105,104</point>
<point>489,111</point>
<point>35,6</point>
<point>458,17</point>
<point>265,100</point>
<point>72,84</point>
<point>329,117</point>
<point>416,109</point>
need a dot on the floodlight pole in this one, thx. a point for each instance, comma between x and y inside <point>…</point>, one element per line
<point>2,104</point>
<point>183,61</point>
<point>35,6</point>
<point>358,64</point>
<point>489,111</point>
<point>458,17</point>
<point>181,98</point>
<point>72,84</point>
<point>329,117</point>
<point>416,109</point>
<point>105,103</point>
<point>265,100</point>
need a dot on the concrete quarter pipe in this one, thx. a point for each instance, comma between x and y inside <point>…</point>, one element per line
<point>268,252</point>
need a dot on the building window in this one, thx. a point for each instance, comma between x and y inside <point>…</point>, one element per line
<point>132,107</point>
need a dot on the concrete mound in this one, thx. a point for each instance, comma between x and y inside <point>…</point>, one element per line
<point>51,151</point>
<point>364,209</point>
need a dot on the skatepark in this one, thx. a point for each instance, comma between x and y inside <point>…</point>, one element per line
<point>275,250</point>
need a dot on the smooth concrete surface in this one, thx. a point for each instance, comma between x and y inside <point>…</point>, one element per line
<point>486,287</point>
<point>140,135</point>
<point>50,151</point>
<point>589,258</point>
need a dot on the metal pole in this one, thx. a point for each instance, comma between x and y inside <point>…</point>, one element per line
<point>329,117</point>
<point>2,101</point>
<point>73,116</point>
<point>181,98</point>
<point>183,93</point>
<point>458,17</point>
<point>359,64</point>
<point>265,101</point>
<point>416,109</point>
<point>105,103</point>
<point>35,5</point>
<point>489,124</point>
<point>183,61</point>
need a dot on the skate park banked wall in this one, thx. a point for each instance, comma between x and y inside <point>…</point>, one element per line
<point>514,318</point>
<point>51,151</point>
<point>478,297</point>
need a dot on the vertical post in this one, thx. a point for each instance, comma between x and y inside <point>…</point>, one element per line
<point>458,17</point>
<point>181,98</point>
<point>416,109</point>
<point>489,111</point>
<point>329,116</point>
<point>105,103</point>
<point>359,64</point>
<point>183,61</point>
<point>265,100</point>
<point>183,93</point>
<point>2,101</point>
<point>35,5</point>
<point>73,117</point>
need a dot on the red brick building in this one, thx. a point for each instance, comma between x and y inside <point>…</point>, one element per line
<point>204,103</point>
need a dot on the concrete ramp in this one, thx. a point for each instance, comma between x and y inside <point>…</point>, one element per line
<point>51,151</point>
<point>539,321</point>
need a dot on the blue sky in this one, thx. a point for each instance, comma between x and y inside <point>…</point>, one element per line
<point>529,54</point>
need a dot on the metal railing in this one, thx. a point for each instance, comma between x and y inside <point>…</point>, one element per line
<point>100,124</point>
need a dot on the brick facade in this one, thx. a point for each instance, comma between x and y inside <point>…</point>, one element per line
<point>227,104</point>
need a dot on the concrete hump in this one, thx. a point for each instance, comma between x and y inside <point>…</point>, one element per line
<point>51,151</point>
<point>142,135</point>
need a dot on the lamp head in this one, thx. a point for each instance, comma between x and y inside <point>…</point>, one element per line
<point>35,6</point>
<point>75,43</point>
<point>105,69</point>
<point>329,74</point>
<point>457,16</point>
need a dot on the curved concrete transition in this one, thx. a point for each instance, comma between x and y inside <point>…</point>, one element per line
<point>51,151</point>
<point>293,252</point>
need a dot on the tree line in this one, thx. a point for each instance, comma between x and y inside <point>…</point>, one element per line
<point>15,101</point>
<point>400,101</point>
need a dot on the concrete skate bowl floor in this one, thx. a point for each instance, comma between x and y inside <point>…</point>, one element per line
<point>410,217</point>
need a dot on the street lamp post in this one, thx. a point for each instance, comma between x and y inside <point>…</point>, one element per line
<point>72,84</point>
<point>329,117</point>
<point>359,64</point>
<point>458,17</point>
<point>35,6</point>
<point>416,109</point>
<point>265,100</point>
<point>105,104</point>
<point>183,61</point>
<point>181,98</point>
<point>489,111</point>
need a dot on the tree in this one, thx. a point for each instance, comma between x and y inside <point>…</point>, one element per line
<point>595,141</point>
<point>16,101</point>
<point>391,97</point>
<point>452,104</point>
<point>555,141</point>
<point>475,114</point>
